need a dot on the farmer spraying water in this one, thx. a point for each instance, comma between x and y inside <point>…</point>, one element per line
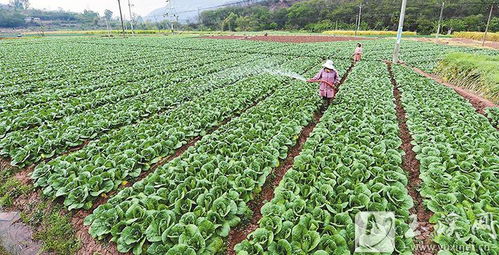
<point>329,79</point>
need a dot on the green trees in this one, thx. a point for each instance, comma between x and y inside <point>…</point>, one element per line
<point>320,15</point>
<point>20,4</point>
<point>11,19</point>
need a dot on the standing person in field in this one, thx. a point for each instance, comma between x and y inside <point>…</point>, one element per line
<point>357,55</point>
<point>329,79</point>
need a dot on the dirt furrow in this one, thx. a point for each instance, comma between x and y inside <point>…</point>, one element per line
<point>89,245</point>
<point>240,233</point>
<point>411,165</point>
<point>79,217</point>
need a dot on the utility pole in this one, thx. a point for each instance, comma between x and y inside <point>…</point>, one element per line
<point>440,19</point>
<point>396,51</point>
<point>108,28</point>
<point>131,16</point>
<point>488,23</point>
<point>199,15</point>
<point>358,19</point>
<point>121,17</point>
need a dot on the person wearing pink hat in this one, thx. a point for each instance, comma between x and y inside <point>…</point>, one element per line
<point>328,79</point>
<point>357,55</point>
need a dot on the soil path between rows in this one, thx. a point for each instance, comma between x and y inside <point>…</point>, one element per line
<point>478,102</point>
<point>411,165</point>
<point>89,245</point>
<point>79,217</point>
<point>240,233</point>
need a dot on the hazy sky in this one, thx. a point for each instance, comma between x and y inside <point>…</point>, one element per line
<point>141,7</point>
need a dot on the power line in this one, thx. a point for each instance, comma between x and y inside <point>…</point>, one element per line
<point>244,2</point>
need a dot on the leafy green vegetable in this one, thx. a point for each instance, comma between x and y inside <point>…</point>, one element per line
<point>350,163</point>
<point>458,150</point>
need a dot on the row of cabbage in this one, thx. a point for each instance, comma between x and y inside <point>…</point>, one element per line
<point>124,70</point>
<point>493,115</point>
<point>425,55</point>
<point>89,66</point>
<point>459,154</point>
<point>350,164</point>
<point>293,49</point>
<point>30,55</point>
<point>66,76</point>
<point>122,155</point>
<point>190,204</point>
<point>53,137</point>
<point>117,88</point>
<point>71,59</point>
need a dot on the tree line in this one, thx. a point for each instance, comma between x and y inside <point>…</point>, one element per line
<point>17,15</point>
<point>320,15</point>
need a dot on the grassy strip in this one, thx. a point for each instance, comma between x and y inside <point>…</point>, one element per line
<point>477,36</point>
<point>478,73</point>
<point>3,251</point>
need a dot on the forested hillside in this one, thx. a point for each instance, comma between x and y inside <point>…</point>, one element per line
<point>319,15</point>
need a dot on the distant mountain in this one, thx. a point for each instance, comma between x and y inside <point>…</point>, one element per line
<point>187,9</point>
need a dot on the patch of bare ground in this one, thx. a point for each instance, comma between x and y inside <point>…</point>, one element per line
<point>459,42</point>
<point>241,232</point>
<point>412,166</point>
<point>4,164</point>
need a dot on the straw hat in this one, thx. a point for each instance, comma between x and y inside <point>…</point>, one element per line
<point>329,64</point>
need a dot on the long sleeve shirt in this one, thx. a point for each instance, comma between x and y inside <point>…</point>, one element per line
<point>332,77</point>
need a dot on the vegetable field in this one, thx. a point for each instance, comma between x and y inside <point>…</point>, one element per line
<point>196,146</point>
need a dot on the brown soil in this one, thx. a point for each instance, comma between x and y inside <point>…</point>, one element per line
<point>290,39</point>
<point>411,165</point>
<point>237,235</point>
<point>479,103</point>
<point>26,204</point>
<point>240,233</point>
<point>90,246</point>
<point>459,42</point>
<point>103,199</point>
<point>23,175</point>
<point>4,164</point>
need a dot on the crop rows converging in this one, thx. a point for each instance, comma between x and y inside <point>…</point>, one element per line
<point>351,163</point>
<point>104,165</point>
<point>191,203</point>
<point>167,144</point>
<point>459,154</point>
<point>52,137</point>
